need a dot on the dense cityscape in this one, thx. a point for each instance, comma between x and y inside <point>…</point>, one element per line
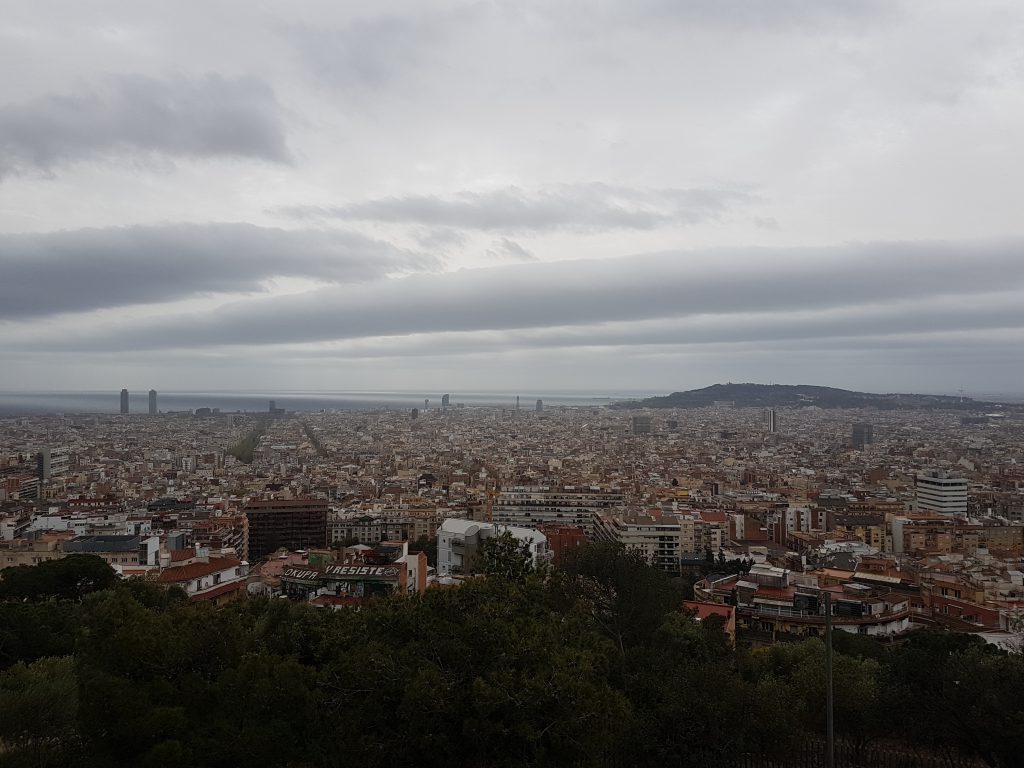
<point>892,522</point>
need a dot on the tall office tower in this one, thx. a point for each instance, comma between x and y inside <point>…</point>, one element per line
<point>124,402</point>
<point>273,406</point>
<point>641,425</point>
<point>152,402</point>
<point>862,434</point>
<point>446,400</point>
<point>414,413</point>
<point>941,492</point>
<point>540,406</point>
<point>769,420</point>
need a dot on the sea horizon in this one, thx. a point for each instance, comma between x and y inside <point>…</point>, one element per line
<point>50,402</point>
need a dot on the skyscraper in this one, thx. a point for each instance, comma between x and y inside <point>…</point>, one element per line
<point>642,425</point>
<point>446,400</point>
<point>152,402</point>
<point>540,406</point>
<point>862,434</point>
<point>124,402</point>
<point>769,420</point>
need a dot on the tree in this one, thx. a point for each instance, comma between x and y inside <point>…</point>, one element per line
<point>628,597</point>
<point>506,556</point>
<point>38,713</point>
<point>427,545</point>
<point>69,578</point>
<point>800,669</point>
<point>957,692</point>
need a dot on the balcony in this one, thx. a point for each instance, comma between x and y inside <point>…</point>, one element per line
<point>792,614</point>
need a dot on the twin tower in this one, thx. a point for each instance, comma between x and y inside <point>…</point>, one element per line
<point>152,402</point>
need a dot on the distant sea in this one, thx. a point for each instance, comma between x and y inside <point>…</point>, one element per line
<point>26,403</point>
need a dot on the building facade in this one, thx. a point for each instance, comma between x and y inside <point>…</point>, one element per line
<point>534,506</point>
<point>284,523</point>
<point>940,492</point>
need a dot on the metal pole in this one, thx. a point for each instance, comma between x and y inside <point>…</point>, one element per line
<point>830,735</point>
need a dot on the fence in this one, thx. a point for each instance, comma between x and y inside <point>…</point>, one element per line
<point>812,755</point>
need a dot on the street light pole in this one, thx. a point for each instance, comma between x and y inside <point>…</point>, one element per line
<point>830,735</point>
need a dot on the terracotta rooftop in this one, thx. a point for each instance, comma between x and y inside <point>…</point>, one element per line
<point>197,570</point>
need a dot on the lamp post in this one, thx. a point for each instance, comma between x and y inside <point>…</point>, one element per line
<point>830,736</point>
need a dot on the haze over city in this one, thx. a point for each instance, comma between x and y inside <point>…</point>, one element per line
<point>638,195</point>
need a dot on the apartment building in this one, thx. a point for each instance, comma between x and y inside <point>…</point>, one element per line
<point>534,506</point>
<point>663,539</point>
<point>284,523</point>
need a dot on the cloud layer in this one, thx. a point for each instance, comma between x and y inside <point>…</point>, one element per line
<point>877,290</point>
<point>592,207</point>
<point>83,270</point>
<point>206,117</point>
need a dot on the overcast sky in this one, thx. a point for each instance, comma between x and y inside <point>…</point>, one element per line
<point>646,195</point>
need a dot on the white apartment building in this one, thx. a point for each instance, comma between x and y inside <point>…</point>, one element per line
<point>534,506</point>
<point>459,542</point>
<point>940,492</point>
<point>662,540</point>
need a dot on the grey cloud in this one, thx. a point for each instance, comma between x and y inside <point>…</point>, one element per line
<point>510,250</point>
<point>45,274</point>
<point>212,116</point>
<point>926,324</point>
<point>803,287</point>
<point>592,207</point>
<point>439,237</point>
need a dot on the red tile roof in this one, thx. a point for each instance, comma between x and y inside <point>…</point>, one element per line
<point>221,589</point>
<point>191,571</point>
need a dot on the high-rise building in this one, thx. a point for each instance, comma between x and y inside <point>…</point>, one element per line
<point>540,406</point>
<point>862,434</point>
<point>446,400</point>
<point>152,402</point>
<point>770,424</point>
<point>124,402</point>
<point>642,425</point>
<point>273,406</point>
<point>941,492</point>
<point>52,462</point>
<point>414,413</point>
<point>284,523</point>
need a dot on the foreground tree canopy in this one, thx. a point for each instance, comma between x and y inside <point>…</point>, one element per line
<point>592,665</point>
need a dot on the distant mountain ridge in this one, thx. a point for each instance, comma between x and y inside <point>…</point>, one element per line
<point>802,395</point>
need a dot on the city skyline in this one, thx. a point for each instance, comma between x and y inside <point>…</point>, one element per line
<point>657,197</point>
